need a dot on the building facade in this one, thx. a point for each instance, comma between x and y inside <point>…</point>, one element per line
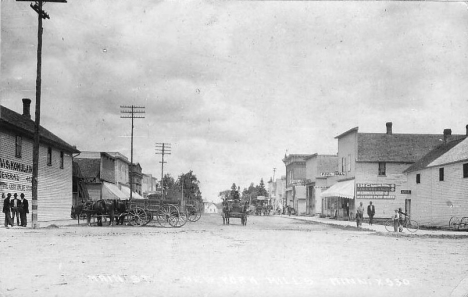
<point>373,165</point>
<point>295,192</point>
<point>54,197</point>
<point>321,173</point>
<point>438,184</point>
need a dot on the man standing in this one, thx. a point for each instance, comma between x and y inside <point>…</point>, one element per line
<point>371,213</point>
<point>15,210</point>
<point>359,215</point>
<point>24,210</point>
<point>6,209</point>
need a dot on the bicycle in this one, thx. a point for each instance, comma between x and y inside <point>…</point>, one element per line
<point>410,225</point>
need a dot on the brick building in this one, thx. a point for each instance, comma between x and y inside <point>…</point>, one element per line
<point>55,170</point>
<point>438,184</point>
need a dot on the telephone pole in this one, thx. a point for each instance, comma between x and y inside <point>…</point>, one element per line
<point>41,14</point>
<point>131,112</point>
<point>163,149</point>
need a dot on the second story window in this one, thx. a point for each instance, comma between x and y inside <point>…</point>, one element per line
<point>49,156</point>
<point>465,170</point>
<point>418,178</point>
<point>441,174</point>
<point>18,146</point>
<point>382,168</point>
<point>61,160</point>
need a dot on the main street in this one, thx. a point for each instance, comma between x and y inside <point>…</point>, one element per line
<point>271,256</point>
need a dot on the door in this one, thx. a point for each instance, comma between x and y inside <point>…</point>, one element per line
<point>408,207</point>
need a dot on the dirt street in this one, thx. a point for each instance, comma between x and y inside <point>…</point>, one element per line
<point>271,256</point>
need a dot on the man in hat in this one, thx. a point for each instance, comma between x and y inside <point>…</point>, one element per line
<point>15,211</point>
<point>371,213</point>
<point>6,209</point>
<point>24,210</point>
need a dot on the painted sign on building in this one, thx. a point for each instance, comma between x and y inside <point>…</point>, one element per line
<point>375,191</point>
<point>336,173</point>
<point>15,176</point>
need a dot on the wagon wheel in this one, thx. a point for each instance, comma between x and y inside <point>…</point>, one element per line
<point>163,214</point>
<point>137,217</point>
<point>173,216</point>
<point>454,223</point>
<point>182,219</point>
<point>192,214</point>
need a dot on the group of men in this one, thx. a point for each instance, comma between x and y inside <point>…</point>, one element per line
<point>14,207</point>
<point>360,214</point>
<point>398,217</point>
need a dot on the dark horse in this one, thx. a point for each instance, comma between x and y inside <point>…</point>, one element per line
<point>101,208</point>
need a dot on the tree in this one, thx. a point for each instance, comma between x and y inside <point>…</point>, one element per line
<point>261,189</point>
<point>190,185</point>
<point>234,192</point>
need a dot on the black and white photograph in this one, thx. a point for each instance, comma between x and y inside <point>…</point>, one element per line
<point>213,148</point>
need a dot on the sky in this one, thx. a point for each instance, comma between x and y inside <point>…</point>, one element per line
<point>235,85</point>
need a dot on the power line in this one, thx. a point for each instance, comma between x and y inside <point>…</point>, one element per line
<point>162,149</point>
<point>131,112</point>
<point>37,118</point>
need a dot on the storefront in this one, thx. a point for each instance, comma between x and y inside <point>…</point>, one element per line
<point>338,200</point>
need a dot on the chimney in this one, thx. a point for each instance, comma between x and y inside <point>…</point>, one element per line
<point>26,107</point>
<point>389,128</point>
<point>447,133</point>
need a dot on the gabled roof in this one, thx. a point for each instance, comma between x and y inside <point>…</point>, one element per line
<point>450,152</point>
<point>23,124</point>
<point>404,148</point>
<point>89,167</point>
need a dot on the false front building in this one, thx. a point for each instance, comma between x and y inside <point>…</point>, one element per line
<point>54,193</point>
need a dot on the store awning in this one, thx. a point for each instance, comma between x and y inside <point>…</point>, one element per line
<point>111,191</point>
<point>126,190</point>
<point>344,189</point>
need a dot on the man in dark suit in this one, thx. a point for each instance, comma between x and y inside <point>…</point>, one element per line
<point>24,210</point>
<point>6,210</point>
<point>371,213</point>
<point>15,211</point>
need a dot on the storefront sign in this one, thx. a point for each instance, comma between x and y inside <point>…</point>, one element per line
<point>375,191</point>
<point>15,176</point>
<point>336,173</point>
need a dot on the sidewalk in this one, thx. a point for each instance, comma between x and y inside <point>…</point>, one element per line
<point>50,224</point>
<point>377,228</point>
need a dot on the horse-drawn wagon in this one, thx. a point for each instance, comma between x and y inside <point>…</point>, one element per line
<point>139,212</point>
<point>235,209</point>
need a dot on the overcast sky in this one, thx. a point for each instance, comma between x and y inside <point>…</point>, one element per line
<point>233,85</point>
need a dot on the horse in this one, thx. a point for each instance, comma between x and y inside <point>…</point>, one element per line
<point>100,208</point>
<point>120,208</point>
<point>225,213</point>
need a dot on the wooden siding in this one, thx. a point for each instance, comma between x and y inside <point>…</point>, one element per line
<point>368,173</point>
<point>54,183</point>
<point>434,202</point>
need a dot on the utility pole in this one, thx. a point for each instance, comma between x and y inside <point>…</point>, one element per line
<point>163,149</point>
<point>37,119</point>
<point>131,112</point>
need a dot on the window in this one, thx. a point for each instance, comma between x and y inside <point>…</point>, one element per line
<point>61,160</point>
<point>418,178</point>
<point>343,164</point>
<point>441,174</point>
<point>349,163</point>
<point>49,156</point>
<point>382,168</point>
<point>465,170</point>
<point>18,146</point>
